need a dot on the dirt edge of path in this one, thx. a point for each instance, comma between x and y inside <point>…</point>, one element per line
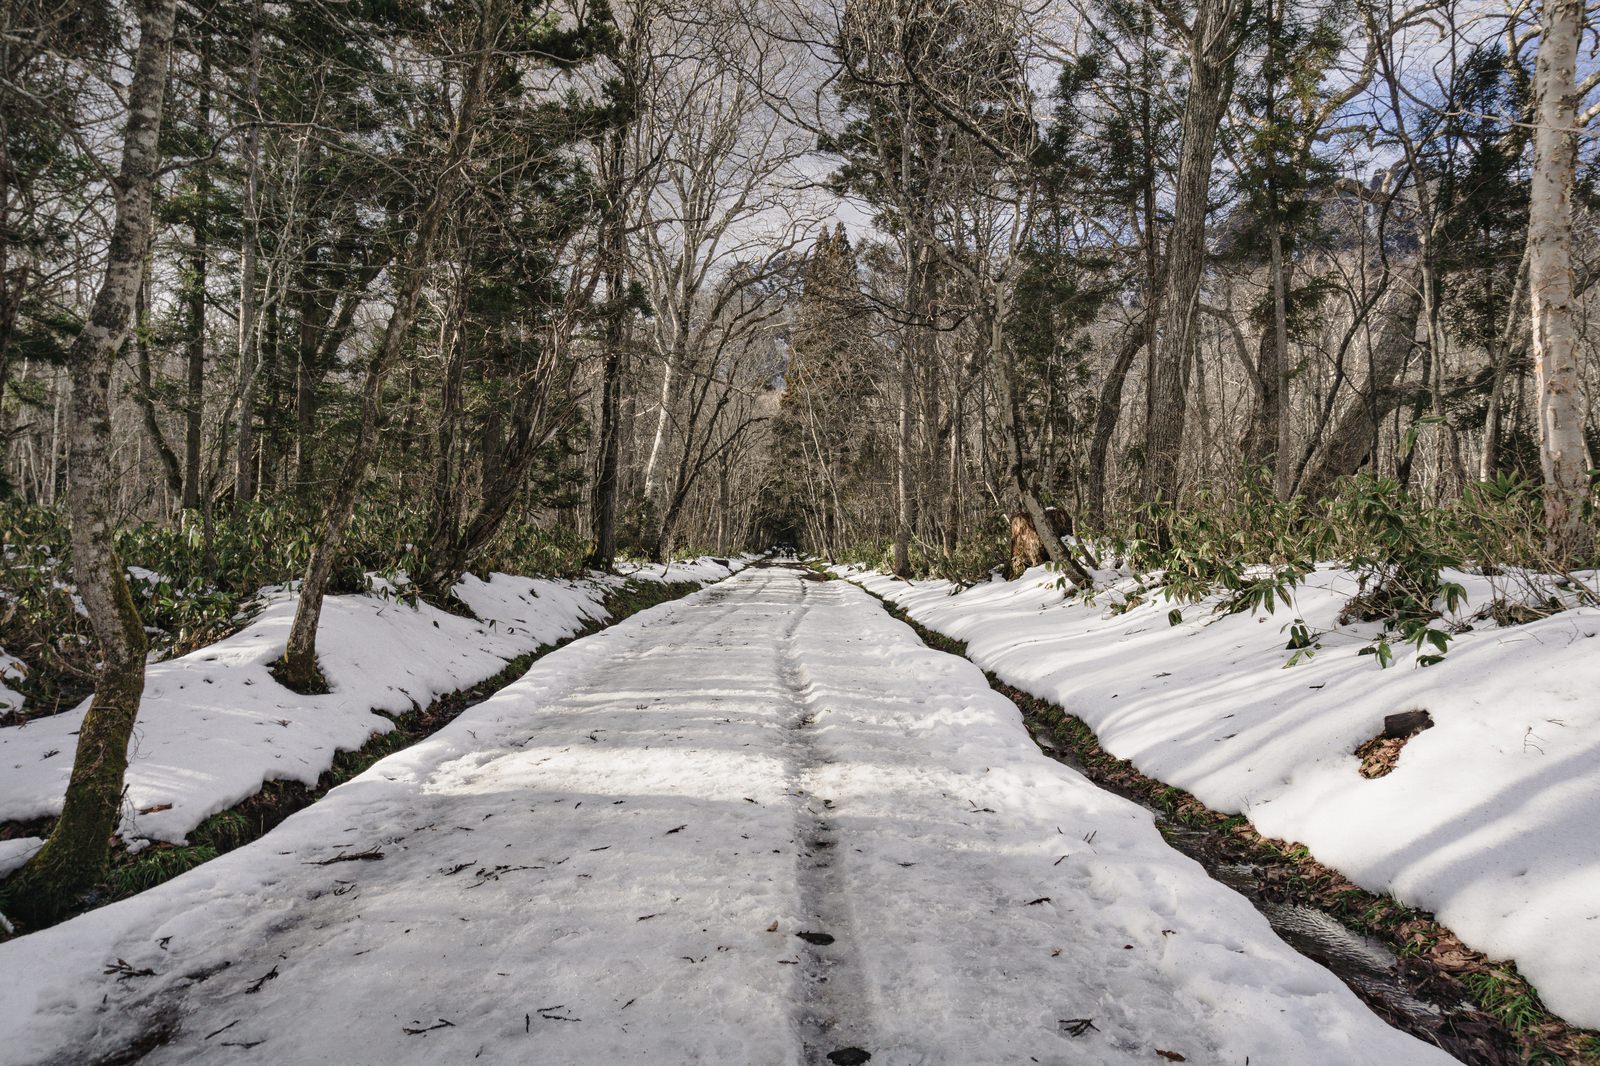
<point>1504,1023</point>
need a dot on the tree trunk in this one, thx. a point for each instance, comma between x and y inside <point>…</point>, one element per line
<point>1557,374</point>
<point>952,477</point>
<point>903,436</point>
<point>605,490</point>
<point>1107,413</point>
<point>456,544</point>
<point>1276,378</point>
<point>195,296</point>
<point>1143,334</point>
<point>663,416</point>
<point>903,460</point>
<point>144,393</point>
<point>10,286</point>
<point>1211,56</point>
<point>305,388</point>
<point>1260,442</point>
<point>1282,460</point>
<point>605,493</point>
<point>75,855</point>
<point>1021,483</point>
<point>298,668</point>
<point>1351,438</point>
<point>244,476</point>
<point>444,520</point>
<point>604,555</point>
<point>1502,350</point>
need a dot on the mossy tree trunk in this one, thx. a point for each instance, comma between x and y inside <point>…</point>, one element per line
<point>75,855</point>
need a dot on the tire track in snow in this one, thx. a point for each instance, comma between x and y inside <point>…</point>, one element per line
<point>832,1016</point>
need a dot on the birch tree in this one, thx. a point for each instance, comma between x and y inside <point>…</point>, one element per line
<point>1550,279</point>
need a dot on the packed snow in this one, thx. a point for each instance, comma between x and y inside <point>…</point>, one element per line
<point>612,861</point>
<point>214,725</point>
<point>1491,819</point>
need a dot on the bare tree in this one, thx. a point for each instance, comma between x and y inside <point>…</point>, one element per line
<point>1212,41</point>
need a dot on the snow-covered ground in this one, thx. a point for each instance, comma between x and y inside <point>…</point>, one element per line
<point>1491,818</point>
<point>12,670</point>
<point>214,725</point>
<point>610,861</point>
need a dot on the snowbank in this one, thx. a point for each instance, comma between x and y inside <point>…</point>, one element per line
<point>214,725</point>
<point>609,862</point>
<point>1491,819</point>
<point>11,669</point>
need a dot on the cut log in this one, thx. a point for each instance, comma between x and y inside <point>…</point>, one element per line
<point>1406,723</point>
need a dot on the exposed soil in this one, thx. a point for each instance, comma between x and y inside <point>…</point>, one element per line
<point>831,1014</point>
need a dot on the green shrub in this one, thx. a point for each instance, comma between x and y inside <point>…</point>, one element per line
<point>1398,548</point>
<point>40,622</point>
<point>195,581</point>
<point>1256,549</point>
<point>977,554</point>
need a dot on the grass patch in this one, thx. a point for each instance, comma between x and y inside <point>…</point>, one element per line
<point>150,867</point>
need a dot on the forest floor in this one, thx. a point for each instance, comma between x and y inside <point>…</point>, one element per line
<point>762,824</point>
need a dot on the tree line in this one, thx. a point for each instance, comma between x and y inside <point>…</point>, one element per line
<point>1129,255</point>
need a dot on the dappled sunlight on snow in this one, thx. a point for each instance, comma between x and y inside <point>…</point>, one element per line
<point>213,725</point>
<point>609,861</point>
<point>1502,785</point>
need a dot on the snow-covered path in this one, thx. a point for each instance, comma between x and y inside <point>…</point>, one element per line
<point>613,859</point>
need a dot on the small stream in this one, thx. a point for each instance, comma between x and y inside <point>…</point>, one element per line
<point>1368,965</point>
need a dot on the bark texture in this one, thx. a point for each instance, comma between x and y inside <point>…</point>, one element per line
<point>606,483</point>
<point>1550,282</point>
<point>1213,40</point>
<point>244,475</point>
<point>75,855</point>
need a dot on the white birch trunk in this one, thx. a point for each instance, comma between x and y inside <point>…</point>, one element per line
<point>1550,280</point>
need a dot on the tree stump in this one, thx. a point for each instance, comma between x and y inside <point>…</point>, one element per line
<point>1026,550</point>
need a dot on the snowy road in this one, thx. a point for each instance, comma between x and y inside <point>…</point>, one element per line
<point>613,861</point>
